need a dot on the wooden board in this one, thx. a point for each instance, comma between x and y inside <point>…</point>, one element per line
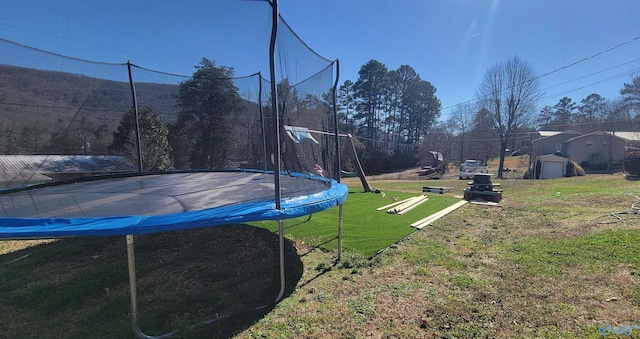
<point>430,219</point>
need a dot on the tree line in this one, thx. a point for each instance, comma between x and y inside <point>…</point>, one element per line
<point>390,111</point>
<point>395,114</point>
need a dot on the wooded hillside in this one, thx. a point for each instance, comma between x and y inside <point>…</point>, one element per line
<point>59,113</point>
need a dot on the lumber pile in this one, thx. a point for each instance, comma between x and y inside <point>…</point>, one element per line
<point>404,206</point>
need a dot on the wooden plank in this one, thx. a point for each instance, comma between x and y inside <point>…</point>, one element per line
<point>416,204</point>
<point>445,210</point>
<point>483,202</point>
<point>403,206</point>
<point>393,204</point>
<point>428,220</point>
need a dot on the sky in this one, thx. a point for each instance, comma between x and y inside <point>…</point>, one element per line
<point>577,47</point>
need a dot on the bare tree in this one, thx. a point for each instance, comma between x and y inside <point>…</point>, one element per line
<point>461,121</point>
<point>509,92</point>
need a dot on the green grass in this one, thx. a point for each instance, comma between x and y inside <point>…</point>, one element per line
<point>600,251</point>
<point>539,266</point>
<point>365,230</point>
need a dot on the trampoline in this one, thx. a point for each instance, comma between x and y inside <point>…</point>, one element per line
<point>133,204</point>
<point>220,161</point>
<point>149,203</point>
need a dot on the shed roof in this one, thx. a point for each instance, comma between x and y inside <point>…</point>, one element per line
<point>552,157</point>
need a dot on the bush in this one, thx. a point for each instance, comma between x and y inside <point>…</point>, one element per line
<point>631,162</point>
<point>573,169</point>
<point>579,170</point>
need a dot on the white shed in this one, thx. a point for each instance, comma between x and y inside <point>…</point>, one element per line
<point>550,166</point>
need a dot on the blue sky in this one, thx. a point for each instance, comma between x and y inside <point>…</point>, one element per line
<point>449,43</point>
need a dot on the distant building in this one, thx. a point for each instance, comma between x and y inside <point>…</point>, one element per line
<point>552,143</point>
<point>596,149</point>
<point>18,170</point>
<point>550,166</point>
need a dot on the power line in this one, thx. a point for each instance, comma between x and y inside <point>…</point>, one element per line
<point>589,85</point>
<point>589,57</point>
<point>592,74</point>
<point>560,68</point>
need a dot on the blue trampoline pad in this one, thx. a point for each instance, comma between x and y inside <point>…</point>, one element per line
<point>139,204</point>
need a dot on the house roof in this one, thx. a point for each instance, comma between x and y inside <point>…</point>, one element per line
<point>628,136</point>
<point>596,133</point>
<point>547,134</point>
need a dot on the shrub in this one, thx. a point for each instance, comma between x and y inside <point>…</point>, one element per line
<point>579,170</point>
<point>631,162</point>
<point>573,169</point>
<point>353,260</point>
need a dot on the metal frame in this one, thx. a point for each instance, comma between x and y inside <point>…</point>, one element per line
<point>135,324</point>
<point>133,289</point>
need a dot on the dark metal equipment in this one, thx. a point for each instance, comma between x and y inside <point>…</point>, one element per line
<point>482,188</point>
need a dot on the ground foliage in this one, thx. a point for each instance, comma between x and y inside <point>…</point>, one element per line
<point>546,264</point>
<point>631,162</point>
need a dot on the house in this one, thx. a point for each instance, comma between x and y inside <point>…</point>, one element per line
<point>595,148</point>
<point>592,150</point>
<point>632,138</point>
<point>552,143</point>
<point>18,170</point>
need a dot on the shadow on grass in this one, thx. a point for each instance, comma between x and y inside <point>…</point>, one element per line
<point>224,278</point>
<point>319,246</point>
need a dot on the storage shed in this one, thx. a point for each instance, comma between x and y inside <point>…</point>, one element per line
<point>550,166</point>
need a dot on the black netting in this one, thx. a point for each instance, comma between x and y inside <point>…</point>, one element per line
<point>64,117</point>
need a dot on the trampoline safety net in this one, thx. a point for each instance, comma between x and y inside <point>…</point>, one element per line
<point>66,119</point>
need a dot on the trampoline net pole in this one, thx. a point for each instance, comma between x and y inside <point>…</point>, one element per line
<point>281,249</point>
<point>136,118</point>
<point>339,232</point>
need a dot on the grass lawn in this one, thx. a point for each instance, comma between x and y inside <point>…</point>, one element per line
<point>366,231</point>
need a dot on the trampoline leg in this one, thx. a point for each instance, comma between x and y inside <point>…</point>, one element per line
<point>281,243</point>
<point>131,260</point>
<point>339,232</point>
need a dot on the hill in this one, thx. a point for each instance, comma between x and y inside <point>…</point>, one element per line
<point>39,107</point>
